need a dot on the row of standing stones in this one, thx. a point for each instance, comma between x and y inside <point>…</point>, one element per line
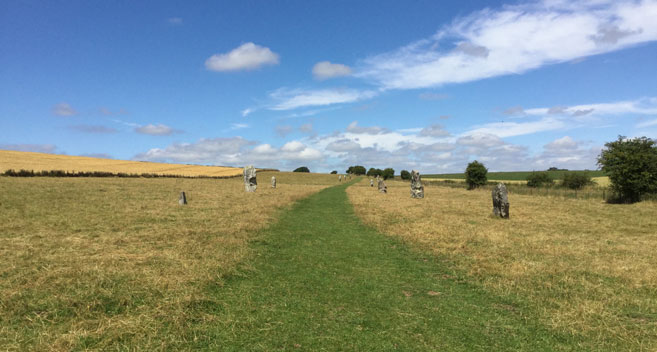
<point>500,195</point>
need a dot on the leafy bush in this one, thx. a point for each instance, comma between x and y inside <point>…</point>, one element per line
<point>475,175</point>
<point>576,180</point>
<point>388,173</point>
<point>405,175</point>
<point>632,167</point>
<point>334,172</point>
<point>356,170</point>
<point>301,169</point>
<point>538,179</point>
<point>556,169</point>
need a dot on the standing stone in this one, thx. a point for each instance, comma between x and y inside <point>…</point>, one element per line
<point>500,201</point>
<point>250,183</point>
<point>182,200</point>
<point>340,178</point>
<point>371,183</point>
<point>273,182</point>
<point>382,186</point>
<point>417,190</point>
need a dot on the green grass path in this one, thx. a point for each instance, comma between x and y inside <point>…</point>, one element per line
<point>321,280</point>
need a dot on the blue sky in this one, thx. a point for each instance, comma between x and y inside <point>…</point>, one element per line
<point>425,85</point>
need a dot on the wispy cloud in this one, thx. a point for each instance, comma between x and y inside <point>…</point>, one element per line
<point>37,148</point>
<point>156,130</point>
<point>98,129</point>
<point>514,39</point>
<point>298,98</point>
<point>64,109</point>
<point>247,111</point>
<point>643,106</point>
<point>248,56</point>
<point>175,21</point>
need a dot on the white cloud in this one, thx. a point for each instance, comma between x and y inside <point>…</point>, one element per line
<point>514,39</point>
<point>64,109</point>
<point>325,70</point>
<point>156,130</point>
<point>434,131</point>
<point>235,151</point>
<point>354,128</point>
<point>293,99</point>
<point>247,56</point>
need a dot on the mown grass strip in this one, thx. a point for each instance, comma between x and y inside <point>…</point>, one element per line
<point>321,280</point>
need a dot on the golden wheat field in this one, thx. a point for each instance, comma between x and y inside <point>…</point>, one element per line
<point>113,260</point>
<point>46,162</point>
<point>585,266</point>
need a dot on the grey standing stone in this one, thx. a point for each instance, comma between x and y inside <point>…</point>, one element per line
<point>417,190</point>
<point>500,201</point>
<point>182,200</point>
<point>273,182</point>
<point>382,186</point>
<point>371,183</point>
<point>340,178</point>
<point>250,183</point>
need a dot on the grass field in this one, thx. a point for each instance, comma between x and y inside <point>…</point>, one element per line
<point>509,176</point>
<point>586,268</point>
<point>46,162</point>
<point>109,262</point>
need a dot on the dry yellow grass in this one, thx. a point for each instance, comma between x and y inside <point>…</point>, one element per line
<point>46,162</point>
<point>587,267</point>
<point>117,263</point>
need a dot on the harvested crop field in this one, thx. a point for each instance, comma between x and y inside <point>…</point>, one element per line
<point>110,262</point>
<point>584,267</point>
<point>47,162</point>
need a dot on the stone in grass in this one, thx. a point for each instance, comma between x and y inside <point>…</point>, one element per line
<point>417,190</point>
<point>500,201</point>
<point>250,183</point>
<point>371,183</point>
<point>340,178</point>
<point>382,186</point>
<point>182,200</point>
<point>273,182</point>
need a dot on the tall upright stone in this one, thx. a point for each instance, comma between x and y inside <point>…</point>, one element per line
<point>371,183</point>
<point>182,200</point>
<point>250,183</point>
<point>340,178</point>
<point>382,186</point>
<point>417,190</point>
<point>273,182</point>
<point>500,201</point>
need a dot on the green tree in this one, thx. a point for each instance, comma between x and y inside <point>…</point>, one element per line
<point>356,170</point>
<point>372,172</point>
<point>475,175</point>
<point>632,167</point>
<point>388,173</point>
<point>405,175</point>
<point>334,172</point>
<point>302,169</point>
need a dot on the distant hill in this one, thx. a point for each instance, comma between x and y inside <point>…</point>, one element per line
<point>46,162</point>
<point>513,175</point>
